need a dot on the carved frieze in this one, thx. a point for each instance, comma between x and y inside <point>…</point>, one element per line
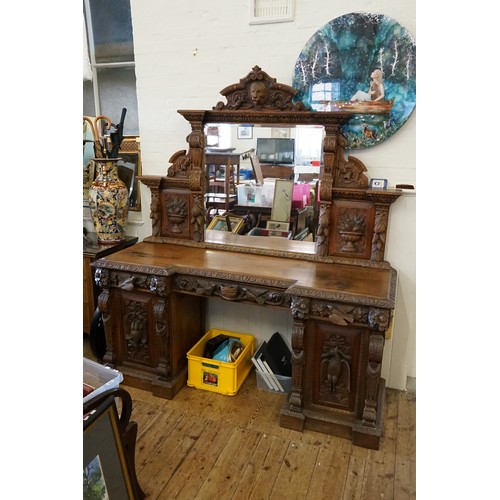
<point>339,314</point>
<point>378,319</point>
<point>231,291</point>
<point>132,281</point>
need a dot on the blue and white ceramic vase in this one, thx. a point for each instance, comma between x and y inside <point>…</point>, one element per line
<point>108,202</point>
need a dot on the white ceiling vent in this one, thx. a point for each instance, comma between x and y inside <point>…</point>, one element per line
<point>271,11</point>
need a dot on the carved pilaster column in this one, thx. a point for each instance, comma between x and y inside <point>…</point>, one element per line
<point>102,279</point>
<point>330,146</point>
<point>198,217</point>
<point>379,322</point>
<point>155,213</point>
<point>380,232</point>
<point>323,231</point>
<point>300,313</point>
<point>161,287</point>
<point>196,141</point>
<point>162,338</point>
<point>198,180</point>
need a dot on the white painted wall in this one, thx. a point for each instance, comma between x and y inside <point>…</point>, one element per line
<point>170,77</point>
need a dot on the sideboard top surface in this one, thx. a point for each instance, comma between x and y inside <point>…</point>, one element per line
<point>367,285</point>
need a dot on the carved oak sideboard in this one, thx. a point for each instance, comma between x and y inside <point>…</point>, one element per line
<point>152,307</point>
<point>338,289</point>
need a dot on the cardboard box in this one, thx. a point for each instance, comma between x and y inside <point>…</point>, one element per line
<point>218,376</point>
<point>101,378</point>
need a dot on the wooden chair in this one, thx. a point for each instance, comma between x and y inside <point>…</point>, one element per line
<point>222,192</point>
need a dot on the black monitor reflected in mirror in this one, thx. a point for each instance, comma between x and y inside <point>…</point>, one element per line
<point>276,151</point>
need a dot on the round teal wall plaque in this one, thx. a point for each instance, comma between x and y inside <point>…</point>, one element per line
<point>342,66</point>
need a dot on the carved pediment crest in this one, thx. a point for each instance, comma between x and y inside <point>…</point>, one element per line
<point>259,91</point>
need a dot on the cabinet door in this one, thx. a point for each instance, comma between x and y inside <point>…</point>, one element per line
<point>154,333</point>
<point>141,316</point>
<point>337,362</point>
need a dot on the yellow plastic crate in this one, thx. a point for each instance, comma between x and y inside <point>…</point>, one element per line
<point>217,376</point>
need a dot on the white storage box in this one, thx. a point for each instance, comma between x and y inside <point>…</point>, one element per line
<point>101,378</point>
<point>259,196</point>
<point>286,383</point>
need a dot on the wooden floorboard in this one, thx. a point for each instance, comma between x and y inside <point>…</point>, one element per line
<point>203,445</point>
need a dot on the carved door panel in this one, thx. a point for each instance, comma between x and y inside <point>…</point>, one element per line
<point>337,363</point>
<point>139,342</point>
<point>352,222</point>
<point>176,214</point>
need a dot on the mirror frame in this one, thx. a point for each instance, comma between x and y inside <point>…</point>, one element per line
<point>178,209</point>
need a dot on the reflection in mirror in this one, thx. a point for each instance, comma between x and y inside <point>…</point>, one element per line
<point>129,167</point>
<point>292,153</point>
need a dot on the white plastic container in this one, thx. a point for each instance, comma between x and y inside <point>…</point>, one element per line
<point>259,196</point>
<point>248,194</point>
<point>102,378</point>
<point>286,383</point>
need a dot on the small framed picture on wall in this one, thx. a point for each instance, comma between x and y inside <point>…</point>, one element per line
<point>245,132</point>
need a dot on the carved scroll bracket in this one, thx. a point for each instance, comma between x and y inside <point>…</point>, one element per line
<point>375,353</point>
<point>348,173</point>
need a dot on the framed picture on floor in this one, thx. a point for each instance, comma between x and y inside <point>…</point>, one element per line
<point>105,469</point>
<point>226,223</point>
